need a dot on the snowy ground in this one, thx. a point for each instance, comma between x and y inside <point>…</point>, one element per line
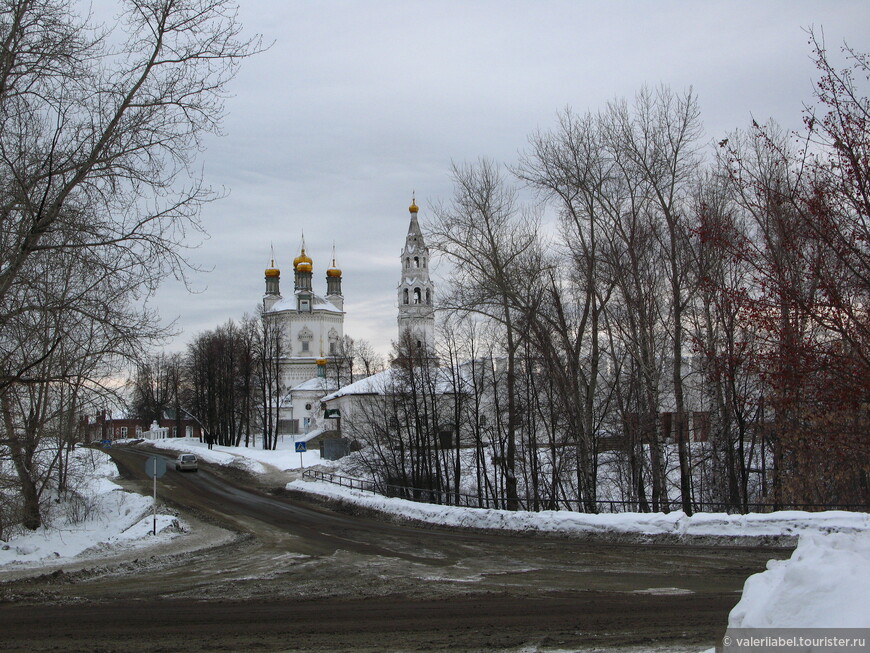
<point>788,523</point>
<point>104,518</point>
<point>253,459</point>
<point>99,518</point>
<point>822,585</point>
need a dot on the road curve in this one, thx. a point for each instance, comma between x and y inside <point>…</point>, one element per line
<point>305,578</point>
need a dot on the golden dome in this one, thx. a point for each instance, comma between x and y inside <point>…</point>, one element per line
<point>333,271</point>
<point>413,208</point>
<point>321,361</point>
<point>273,271</point>
<point>302,263</point>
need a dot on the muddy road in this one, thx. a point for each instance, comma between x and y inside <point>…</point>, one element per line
<point>288,574</point>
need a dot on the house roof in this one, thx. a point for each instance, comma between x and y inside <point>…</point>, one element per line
<point>388,381</point>
<point>375,384</point>
<point>318,383</point>
<point>308,437</point>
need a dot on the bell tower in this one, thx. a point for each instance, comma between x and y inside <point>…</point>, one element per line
<point>416,291</point>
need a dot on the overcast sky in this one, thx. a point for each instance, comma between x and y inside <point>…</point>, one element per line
<point>357,104</point>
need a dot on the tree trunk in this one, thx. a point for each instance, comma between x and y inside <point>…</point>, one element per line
<point>22,459</point>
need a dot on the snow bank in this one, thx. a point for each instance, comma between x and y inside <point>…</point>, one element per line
<point>251,459</point>
<point>715,524</point>
<point>99,518</point>
<point>823,585</point>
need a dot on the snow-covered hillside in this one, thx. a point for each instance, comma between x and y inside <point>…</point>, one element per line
<point>97,518</point>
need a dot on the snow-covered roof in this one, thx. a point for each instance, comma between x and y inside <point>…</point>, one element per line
<point>318,383</point>
<point>382,382</point>
<point>371,385</point>
<point>318,303</point>
<point>308,437</point>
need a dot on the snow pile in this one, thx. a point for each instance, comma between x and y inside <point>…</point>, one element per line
<point>782,522</point>
<point>216,456</point>
<point>823,585</point>
<point>251,459</point>
<point>97,518</point>
<point>564,522</point>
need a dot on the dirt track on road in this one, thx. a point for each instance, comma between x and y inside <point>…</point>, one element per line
<point>301,577</point>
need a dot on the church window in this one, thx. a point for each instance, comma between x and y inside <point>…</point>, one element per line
<point>408,262</point>
<point>304,345</point>
<point>416,295</point>
<point>332,345</point>
<point>428,296</point>
<point>417,261</point>
<point>406,295</point>
<point>424,262</point>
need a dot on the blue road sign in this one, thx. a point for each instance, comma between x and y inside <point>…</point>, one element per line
<point>155,467</point>
<point>301,447</point>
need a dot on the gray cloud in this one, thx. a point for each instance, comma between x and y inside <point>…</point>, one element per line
<point>358,104</point>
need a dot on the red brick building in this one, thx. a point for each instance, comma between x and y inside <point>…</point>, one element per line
<point>104,427</point>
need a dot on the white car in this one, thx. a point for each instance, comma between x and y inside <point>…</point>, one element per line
<point>186,462</point>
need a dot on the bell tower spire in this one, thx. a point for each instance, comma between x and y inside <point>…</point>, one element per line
<point>416,290</point>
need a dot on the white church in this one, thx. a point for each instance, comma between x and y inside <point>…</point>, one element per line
<point>312,328</point>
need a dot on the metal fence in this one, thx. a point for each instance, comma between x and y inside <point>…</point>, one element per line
<point>448,498</point>
<point>423,495</point>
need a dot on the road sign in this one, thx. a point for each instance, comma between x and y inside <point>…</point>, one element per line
<point>301,447</point>
<point>155,467</point>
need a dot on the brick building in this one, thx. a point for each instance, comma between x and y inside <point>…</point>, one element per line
<point>105,427</point>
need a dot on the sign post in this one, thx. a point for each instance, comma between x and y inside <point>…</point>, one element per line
<point>301,447</point>
<point>155,467</point>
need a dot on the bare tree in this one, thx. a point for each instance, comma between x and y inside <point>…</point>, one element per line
<point>39,418</point>
<point>658,143</point>
<point>153,389</point>
<point>97,190</point>
<point>398,426</point>
<point>570,168</point>
<point>270,350</point>
<point>493,248</point>
<point>367,359</point>
<point>727,345</point>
